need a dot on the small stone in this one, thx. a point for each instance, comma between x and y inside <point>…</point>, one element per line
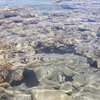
<point>66,87</point>
<point>76,84</point>
<point>19,47</point>
<point>22,47</point>
<point>4,85</point>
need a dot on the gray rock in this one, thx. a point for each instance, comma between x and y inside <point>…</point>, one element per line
<point>44,94</point>
<point>92,89</point>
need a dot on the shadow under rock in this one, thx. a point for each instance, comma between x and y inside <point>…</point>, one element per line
<point>70,48</point>
<point>92,63</point>
<point>29,78</point>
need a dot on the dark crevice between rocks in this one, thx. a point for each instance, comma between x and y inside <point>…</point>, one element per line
<point>53,49</point>
<point>91,20</point>
<point>98,34</point>
<point>82,29</point>
<point>9,15</point>
<point>16,83</point>
<point>67,7</point>
<point>68,78</point>
<point>29,78</point>
<point>92,63</point>
<point>69,94</point>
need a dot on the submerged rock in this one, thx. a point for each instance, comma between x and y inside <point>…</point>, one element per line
<point>50,56</point>
<point>22,97</point>
<point>38,94</point>
<point>66,87</point>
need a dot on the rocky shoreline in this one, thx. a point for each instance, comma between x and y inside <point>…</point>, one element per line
<point>49,57</point>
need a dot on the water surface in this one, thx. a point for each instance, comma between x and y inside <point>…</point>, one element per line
<point>48,6</point>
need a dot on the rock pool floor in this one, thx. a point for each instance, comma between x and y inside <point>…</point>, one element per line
<point>56,54</point>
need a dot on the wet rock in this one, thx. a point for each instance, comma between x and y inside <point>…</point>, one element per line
<point>66,87</point>
<point>18,76</point>
<point>51,55</point>
<point>79,80</point>
<point>15,77</point>
<point>54,75</point>
<point>4,85</point>
<point>76,84</point>
<point>92,89</point>
<point>38,94</point>
<point>59,76</point>
<point>90,96</point>
<point>22,97</point>
<point>6,94</point>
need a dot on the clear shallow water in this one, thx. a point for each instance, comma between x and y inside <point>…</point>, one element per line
<point>48,6</point>
<point>23,2</point>
<point>39,5</point>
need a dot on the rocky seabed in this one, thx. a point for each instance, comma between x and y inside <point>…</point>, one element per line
<point>55,56</point>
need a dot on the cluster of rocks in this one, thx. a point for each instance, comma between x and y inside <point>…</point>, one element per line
<point>55,56</point>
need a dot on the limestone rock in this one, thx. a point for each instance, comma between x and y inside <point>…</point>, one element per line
<point>46,94</point>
